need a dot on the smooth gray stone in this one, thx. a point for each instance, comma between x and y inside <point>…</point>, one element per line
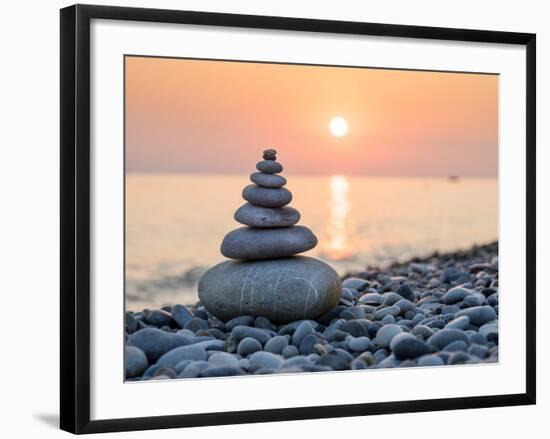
<point>159,317</point>
<point>175,356</point>
<point>371,299</point>
<point>155,342</point>
<point>196,324</point>
<point>430,360</point>
<point>135,361</point>
<point>223,359</point>
<point>458,323</point>
<point>283,290</point>
<point>290,351</point>
<point>477,338</point>
<point>264,323</point>
<point>335,360</point>
<point>240,332</point>
<point>269,167</point>
<point>473,301</point>
<point>165,372</point>
<point>262,359</point>
<point>405,305</point>
<point>310,344</point>
<point>302,330</point>
<point>267,180</point>
<point>386,333</point>
<point>346,294</point>
<point>455,295</point>
<point>406,292</point>
<point>239,321</point>
<point>489,328</point>
<point>390,298</point>
<point>270,154</point>
<point>408,347</point>
<point>445,336</point>
<point>267,197</point>
<point>190,371</point>
<point>182,365</point>
<point>248,346</point>
<point>456,346</point>
<point>276,344</point>
<point>478,350</point>
<point>423,331</point>
<point>181,314</point>
<point>478,315</point>
<point>355,283</point>
<point>221,371</point>
<point>383,312</point>
<point>459,357</point>
<point>246,243</point>
<point>356,328</point>
<point>358,365</point>
<point>359,344</point>
<point>258,216</point>
<point>297,361</point>
<point>451,274</point>
<point>130,322</point>
<point>211,345</point>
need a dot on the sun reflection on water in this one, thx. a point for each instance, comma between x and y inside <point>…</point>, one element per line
<point>340,230</point>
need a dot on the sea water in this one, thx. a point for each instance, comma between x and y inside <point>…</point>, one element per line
<point>175,224</point>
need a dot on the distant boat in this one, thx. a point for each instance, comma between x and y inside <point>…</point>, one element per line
<point>453,178</point>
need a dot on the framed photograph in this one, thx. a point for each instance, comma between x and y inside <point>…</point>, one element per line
<point>261,213</point>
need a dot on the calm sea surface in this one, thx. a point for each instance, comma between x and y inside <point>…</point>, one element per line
<point>175,224</point>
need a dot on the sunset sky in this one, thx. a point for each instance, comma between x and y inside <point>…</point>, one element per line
<point>217,117</point>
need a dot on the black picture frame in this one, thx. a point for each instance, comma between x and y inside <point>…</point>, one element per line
<point>75,217</point>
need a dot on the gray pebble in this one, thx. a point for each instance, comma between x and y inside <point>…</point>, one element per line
<point>406,292</point>
<point>262,359</point>
<point>175,356</point>
<point>303,329</point>
<point>276,344</point>
<point>240,332</point>
<point>290,351</point>
<point>445,336</point>
<point>196,324</point>
<point>430,360</point>
<point>181,314</point>
<point>478,315</point>
<point>248,345</point>
<point>221,371</point>
<point>386,333</point>
<point>223,359</point>
<point>267,180</point>
<point>359,344</point>
<point>269,167</point>
<point>154,342</point>
<point>135,361</point>
<point>355,283</point>
<point>383,312</point>
<point>267,197</point>
<point>239,321</point>
<point>458,323</point>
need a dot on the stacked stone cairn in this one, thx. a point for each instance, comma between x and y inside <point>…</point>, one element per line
<point>264,276</point>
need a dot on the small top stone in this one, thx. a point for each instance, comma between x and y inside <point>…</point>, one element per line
<point>270,154</point>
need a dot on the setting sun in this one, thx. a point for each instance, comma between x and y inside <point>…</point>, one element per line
<point>338,127</point>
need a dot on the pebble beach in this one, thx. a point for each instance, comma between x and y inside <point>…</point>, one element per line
<point>433,311</point>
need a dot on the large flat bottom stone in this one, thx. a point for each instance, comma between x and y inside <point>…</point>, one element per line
<point>283,290</point>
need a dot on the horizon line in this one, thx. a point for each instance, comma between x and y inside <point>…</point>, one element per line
<point>213,173</point>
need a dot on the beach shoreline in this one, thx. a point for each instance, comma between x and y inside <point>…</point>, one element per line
<point>429,311</point>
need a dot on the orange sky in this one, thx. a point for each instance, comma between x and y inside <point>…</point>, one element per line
<point>213,116</point>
